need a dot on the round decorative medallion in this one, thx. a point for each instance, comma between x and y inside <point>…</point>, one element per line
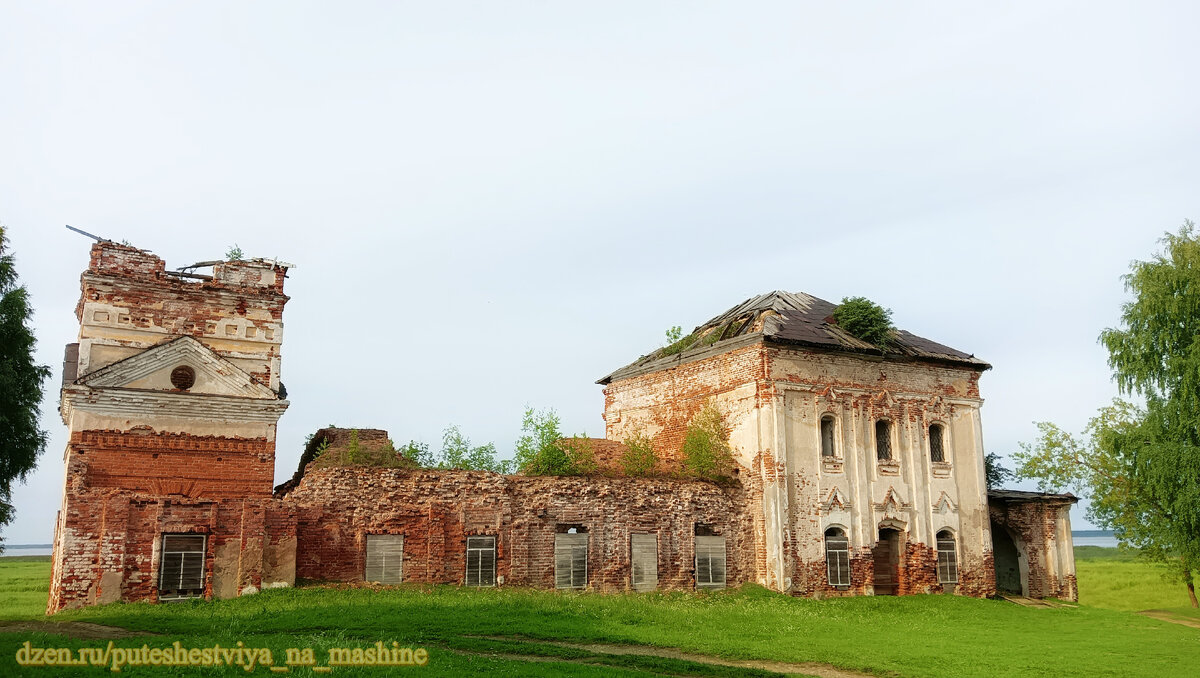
<point>183,377</point>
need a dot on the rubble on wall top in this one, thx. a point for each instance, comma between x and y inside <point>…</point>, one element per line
<point>788,318</point>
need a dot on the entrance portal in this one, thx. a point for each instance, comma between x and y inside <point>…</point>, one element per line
<point>1007,560</point>
<point>887,558</point>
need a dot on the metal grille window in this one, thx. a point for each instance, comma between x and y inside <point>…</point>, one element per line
<point>643,550</point>
<point>181,566</point>
<point>385,558</point>
<point>710,562</point>
<point>827,430</point>
<point>936,451</point>
<point>883,439</point>
<point>481,561</point>
<point>947,562</point>
<point>570,560</point>
<point>837,556</point>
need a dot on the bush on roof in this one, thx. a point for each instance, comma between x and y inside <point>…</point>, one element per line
<point>865,320</point>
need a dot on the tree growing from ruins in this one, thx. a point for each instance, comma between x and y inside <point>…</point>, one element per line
<point>458,453</point>
<point>638,459</point>
<point>706,450</point>
<point>866,320</point>
<point>1140,464</point>
<point>21,439</point>
<point>542,450</point>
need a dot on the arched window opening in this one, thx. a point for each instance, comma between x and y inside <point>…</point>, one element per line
<point>827,442</point>
<point>937,449</point>
<point>947,558</point>
<point>883,439</point>
<point>837,557</point>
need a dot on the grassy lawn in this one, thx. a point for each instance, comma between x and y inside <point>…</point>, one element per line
<point>1119,580</point>
<point>909,636</point>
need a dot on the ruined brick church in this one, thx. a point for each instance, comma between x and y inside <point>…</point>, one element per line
<point>858,472</point>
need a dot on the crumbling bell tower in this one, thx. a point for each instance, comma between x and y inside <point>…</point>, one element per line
<point>171,398</point>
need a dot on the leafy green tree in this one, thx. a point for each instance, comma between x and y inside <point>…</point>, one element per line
<point>1140,466</point>
<point>866,320</point>
<point>995,473</point>
<point>540,450</point>
<point>639,458</point>
<point>418,454</point>
<point>458,452</point>
<point>21,439</point>
<point>706,451</point>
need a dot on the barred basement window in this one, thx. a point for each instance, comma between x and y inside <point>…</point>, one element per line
<point>827,430</point>
<point>936,450</point>
<point>385,558</point>
<point>643,549</point>
<point>947,563</point>
<point>710,562</point>
<point>883,439</point>
<point>570,558</point>
<point>181,567</point>
<point>481,561</point>
<point>837,557</point>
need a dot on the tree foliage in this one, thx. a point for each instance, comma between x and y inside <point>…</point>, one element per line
<point>706,450</point>
<point>865,320</point>
<point>458,452</point>
<point>21,439</point>
<point>543,451</point>
<point>1140,466</point>
<point>994,472</point>
<point>639,458</point>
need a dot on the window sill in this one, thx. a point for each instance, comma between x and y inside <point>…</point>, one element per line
<point>831,465</point>
<point>888,467</point>
<point>941,469</point>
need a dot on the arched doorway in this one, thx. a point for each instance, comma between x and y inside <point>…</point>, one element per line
<point>887,561</point>
<point>1007,559</point>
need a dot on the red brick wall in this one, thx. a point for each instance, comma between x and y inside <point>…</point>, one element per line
<point>436,510</point>
<point>1035,524</point>
<point>169,463</point>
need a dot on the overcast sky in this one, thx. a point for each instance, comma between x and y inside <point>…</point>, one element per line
<point>492,205</point>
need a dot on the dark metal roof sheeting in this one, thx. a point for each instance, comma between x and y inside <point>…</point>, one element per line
<point>1021,495</point>
<point>799,319</point>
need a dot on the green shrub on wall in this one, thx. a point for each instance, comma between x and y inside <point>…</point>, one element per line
<point>865,320</point>
<point>639,459</point>
<point>706,450</point>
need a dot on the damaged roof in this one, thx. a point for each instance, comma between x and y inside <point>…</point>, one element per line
<point>1022,495</point>
<point>787,318</point>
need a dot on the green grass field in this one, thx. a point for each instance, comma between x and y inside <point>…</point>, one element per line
<point>495,631</point>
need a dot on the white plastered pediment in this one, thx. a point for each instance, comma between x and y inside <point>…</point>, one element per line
<point>151,370</point>
<point>835,501</point>
<point>944,504</point>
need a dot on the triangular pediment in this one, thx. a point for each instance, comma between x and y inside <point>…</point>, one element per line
<point>152,369</point>
<point>834,501</point>
<point>943,504</point>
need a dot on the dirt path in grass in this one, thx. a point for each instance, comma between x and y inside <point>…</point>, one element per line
<point>1166,616</point>
<point>807,668</point>
<point>82,630</point>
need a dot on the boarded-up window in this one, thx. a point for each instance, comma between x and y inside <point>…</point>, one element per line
<point>837,556</point>
<point>710,562</point>
<point>936,450</point>
<point>883,439</point>
<point>827,430</point>
<point>481,561</point>
<point>181,567</point>
<point>385,558</point>
<point>947,564</point>
<point>570,560</point>
<point>643,549</point>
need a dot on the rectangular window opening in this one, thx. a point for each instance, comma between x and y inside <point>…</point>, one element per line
<point>827,430</point>
<point>643,550</point>
<point>837,560</point>
<point>385,558</point>
<point>883,440</point>
<point>181,567</point>
<point>570,560</point>
<point>947,563</point>
<point>710,562</point>
<point>481,561</point>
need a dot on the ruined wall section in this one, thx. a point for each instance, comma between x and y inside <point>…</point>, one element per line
<point>1041,531</point>
<point>336,508</point>
<point>130,302</point>
<point>858,493</point>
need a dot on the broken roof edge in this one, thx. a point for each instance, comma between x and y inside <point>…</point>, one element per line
<point>639,368</point>
<point>1025,495</point>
